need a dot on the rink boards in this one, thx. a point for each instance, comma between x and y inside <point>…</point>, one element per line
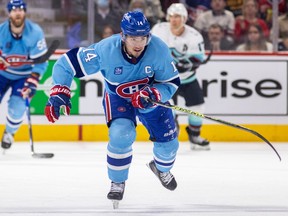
<point>247,89</point>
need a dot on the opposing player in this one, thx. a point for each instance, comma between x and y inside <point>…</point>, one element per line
<point>135,66</point>
<point>187,48</point>
<point>20,40</point>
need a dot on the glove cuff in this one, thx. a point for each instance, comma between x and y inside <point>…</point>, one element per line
<point>156,94</point>
<point>59,89</point>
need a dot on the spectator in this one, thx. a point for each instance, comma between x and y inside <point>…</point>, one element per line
<point>120,6</point>
<point>235,7</point>
<point>216,40</point>
<point>283,45</point>
<point>195,8</point>
<point>76,31</point>
<point>151,9</point>
<point>266,8</point>
<point>255,40</point>
<point>283,23</point>
<point>107,31</point>
<point>219,15</point>
<point>105,15</point>
<point>249,11</point>
<point>154,12</point>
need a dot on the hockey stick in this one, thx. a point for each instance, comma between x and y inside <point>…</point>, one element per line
<point>187,111</point>
<point>55,44</point>
<point>208,57</point>
<point>35,155</point>
<point>198,64</point>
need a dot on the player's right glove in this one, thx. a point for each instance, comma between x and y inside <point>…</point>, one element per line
<point>59,97</point>
<point>138,98</point>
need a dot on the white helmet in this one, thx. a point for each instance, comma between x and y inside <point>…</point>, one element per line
<point>177,8</point>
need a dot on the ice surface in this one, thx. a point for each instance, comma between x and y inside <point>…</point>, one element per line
<point>231,179</point>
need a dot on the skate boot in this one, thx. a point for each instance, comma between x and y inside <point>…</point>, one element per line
<point>166,178</point>
<point>116,193</point>
<point>7,140</point>
<point>197,142</point>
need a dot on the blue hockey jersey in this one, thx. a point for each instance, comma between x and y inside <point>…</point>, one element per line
<point>31,45</point>
<point>155,68</point>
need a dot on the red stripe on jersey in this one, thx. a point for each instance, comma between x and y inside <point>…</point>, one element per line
<point>108,108</point>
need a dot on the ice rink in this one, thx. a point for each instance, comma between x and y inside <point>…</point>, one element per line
<point>231,179</point>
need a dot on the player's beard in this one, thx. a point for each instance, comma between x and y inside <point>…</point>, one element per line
<point>18,21</point>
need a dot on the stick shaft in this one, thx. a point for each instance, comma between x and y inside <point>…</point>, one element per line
<point>33,153</point>
<point>187,111</point>
<point>29,125</point>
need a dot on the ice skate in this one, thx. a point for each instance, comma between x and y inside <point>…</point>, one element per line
<point>166,178</point>
<point>7,141</point>
<point>116,193</point>
<point>197,142</point>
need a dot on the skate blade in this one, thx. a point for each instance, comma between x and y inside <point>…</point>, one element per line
<point>115,204</point>
<point>196,147</point>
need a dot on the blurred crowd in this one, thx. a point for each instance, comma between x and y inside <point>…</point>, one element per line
<point>240,25</point>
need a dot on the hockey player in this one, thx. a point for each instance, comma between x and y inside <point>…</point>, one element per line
<point>187,48</point>
<point>20,40</point>
<point>135,65</point>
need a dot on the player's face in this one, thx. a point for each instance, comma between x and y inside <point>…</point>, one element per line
<point>135,45</point>
<point>176,21</point>
<point>17,17</point>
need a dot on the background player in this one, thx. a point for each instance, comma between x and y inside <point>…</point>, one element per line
<point>187,48</point>
<point>134,65</point>
<point>20,39</point>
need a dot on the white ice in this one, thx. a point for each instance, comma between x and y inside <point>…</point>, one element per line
<point>232,179</point>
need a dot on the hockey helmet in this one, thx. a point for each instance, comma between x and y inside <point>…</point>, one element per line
<point>13,4</point>
<point>179,9</point>
<point>134,23</point>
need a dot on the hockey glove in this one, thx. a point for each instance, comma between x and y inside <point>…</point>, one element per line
<point>3,63</point>
<point>2,66</point>
<point>187,64</point>
<point>59,97</point>
<point>138,98</point>
<point>30,86</point>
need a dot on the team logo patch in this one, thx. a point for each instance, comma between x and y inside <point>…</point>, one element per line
<point>121,109</point>
<point>118,70</point>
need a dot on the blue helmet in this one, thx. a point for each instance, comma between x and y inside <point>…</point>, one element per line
<point>134,23</point>
<point>13,4</point>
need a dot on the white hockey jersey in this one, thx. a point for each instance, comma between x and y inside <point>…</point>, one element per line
<point>184,47</point>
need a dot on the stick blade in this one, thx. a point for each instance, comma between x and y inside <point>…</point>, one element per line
<point>42,155</point>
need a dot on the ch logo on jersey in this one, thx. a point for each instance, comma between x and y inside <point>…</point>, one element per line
<point>16,58</point>
<point>126,90</point>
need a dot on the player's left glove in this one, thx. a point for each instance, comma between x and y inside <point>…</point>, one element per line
<point>138,98</point>
<point>30,86</point>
